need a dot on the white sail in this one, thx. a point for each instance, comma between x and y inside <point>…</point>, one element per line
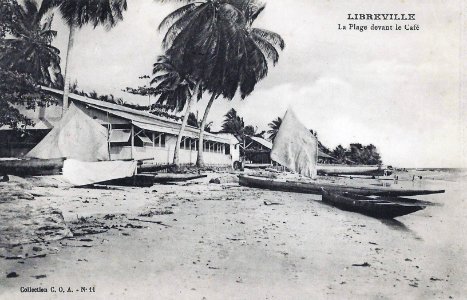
<point>295,147</point>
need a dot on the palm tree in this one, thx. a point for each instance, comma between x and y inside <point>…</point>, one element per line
<point>233,123</point>
<point>173,90</point>
<point>253,131</point>
<point>29,50</point>
<point>274,125</point>
<point>194,122</point>
<point>212,42</point>
<point>79,13</point>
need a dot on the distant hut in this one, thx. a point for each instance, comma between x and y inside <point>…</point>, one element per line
<point>257,150</point>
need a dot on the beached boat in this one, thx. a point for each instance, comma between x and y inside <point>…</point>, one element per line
<point>174,177</point>
<point>149,168</point>
<point>314,187</point>
<point>379,208</point>
<point>349,170</point>
<point>31,166</point>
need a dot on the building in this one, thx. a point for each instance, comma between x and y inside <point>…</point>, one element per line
<point>257,150</point>
<point>132,134</point>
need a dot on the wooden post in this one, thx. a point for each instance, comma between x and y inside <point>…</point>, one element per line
<point>132,141</point>
<point>108,139</point>
<point>154,145</point>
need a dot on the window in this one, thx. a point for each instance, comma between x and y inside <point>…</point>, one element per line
<point>159,139</point>
<point>193,144</point>
<point>120,137</point>
<point>187,143</point>
<point>227,149</point>
<point>144,139</point>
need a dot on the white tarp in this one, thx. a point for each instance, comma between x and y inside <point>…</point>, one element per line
<point>82,173</point>
<point>76,136</point>
<point>295,147</point>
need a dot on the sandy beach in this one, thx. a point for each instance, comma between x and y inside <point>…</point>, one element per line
<point>201,240</point>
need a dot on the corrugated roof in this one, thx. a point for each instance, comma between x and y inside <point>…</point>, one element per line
<point>261,141</point>
<point>268,145</point>
<point>113,106</point>
<point>142,119</point>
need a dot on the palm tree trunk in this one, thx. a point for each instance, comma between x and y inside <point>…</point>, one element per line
<point>200,160</point>
<point>182,128</point>
<point>66,88</point>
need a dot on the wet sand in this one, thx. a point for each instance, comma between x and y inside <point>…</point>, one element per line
<point>201,240</point>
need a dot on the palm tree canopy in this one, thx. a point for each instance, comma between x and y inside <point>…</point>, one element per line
<point>274,125</point>
<point>193,121</point>
<point>233,123</point>
<point>212,42</point>
<point>171,89</point>
<point>95,12</point>
<point>29,49</point>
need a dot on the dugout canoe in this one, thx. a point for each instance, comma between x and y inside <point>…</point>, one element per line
<point>315,187</point>
<point>148,168</point>
<point>379,208</point>
<point>372,170</point>
<point>31,167</point>
<point>174,177</point>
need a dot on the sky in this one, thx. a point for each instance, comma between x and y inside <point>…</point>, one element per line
<point>399,90</point>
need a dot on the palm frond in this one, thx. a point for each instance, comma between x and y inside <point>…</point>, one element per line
<point>183,22</point>
<point>175,15</point>
<point>266,48</point>
<point>272,37</point>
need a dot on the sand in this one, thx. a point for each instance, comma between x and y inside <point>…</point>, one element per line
<point>200,240</point>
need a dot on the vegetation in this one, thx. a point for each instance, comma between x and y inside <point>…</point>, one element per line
<point>235,125</point>
<point>79,13</point>
<point>274,128</point>
<point>359,154</point>
<point>28,48</point>
<point>27,60</point>
<point>19,89</point>
<point>156,109</point>
<point>193,121</point>
<point>355,154</point>
<point>212,43</point>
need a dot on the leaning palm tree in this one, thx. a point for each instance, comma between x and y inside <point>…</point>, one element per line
<point>172,90</point>
<point>212,43</point>
<point>28,50</point>
<point>171,87</point>
<point>198,41</point>
<point>79,13</point>
<point>274,125</point>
